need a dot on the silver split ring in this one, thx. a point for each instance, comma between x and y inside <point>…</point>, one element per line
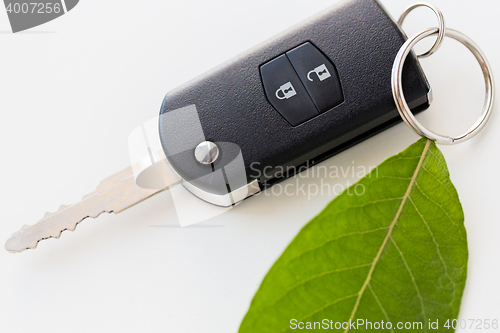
<point>442,26</point>
<point>402,105</point>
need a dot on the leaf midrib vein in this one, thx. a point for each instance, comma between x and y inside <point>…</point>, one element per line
<point>391,229</point>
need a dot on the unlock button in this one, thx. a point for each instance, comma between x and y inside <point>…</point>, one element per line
<point>318,75</point>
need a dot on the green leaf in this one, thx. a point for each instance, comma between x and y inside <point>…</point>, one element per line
<point>397,253</point>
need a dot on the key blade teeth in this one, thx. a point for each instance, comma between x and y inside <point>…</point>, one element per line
<point>18,243</point>
<point>62,207</point>
<point>49,214</point>
<point>113,195</point>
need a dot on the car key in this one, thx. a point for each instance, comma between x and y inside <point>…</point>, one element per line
<point>280,108</point>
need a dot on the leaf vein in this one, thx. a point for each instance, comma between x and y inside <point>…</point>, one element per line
<point>365,204</point>
<point>390,230</point>
<point>329,240</point>
<point>314,277</point>
<point>438,204</point>
<point>380,305</point>
<point>412,278</point>
<point>437,247</point>
<point>326,306</point>
<point>438,180</point>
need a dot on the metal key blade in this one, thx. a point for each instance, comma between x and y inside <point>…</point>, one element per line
<point>114,194</point>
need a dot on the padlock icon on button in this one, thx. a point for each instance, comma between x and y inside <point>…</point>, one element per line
<point>287,90</point>
<point>321,71</point>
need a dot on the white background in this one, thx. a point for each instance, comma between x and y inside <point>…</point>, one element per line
<point>73,89</point>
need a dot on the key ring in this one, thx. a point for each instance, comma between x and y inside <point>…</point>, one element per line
<point>442,26</point>
<point>402,105</point>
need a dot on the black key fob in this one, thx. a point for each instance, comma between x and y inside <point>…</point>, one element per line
<point>289,103</point>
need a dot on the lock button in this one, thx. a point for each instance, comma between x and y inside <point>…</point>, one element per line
<point>318,75</point>
<point>285,91</point>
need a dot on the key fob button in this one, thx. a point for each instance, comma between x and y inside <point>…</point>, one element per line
<point>318,74</point>
<point>285,91</point>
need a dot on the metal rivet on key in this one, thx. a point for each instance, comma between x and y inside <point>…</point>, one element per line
<point>206,152</point>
